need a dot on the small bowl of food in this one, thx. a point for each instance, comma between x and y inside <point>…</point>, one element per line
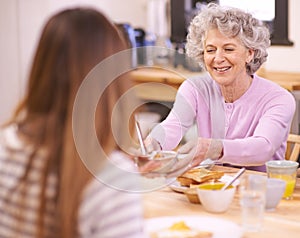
<point>192,196</point>
<point>213,198</point>
<point>162,161</point>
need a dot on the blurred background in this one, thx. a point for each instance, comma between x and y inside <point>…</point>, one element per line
<point>153,22</point>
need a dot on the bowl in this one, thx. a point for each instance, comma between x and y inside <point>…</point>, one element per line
<point>274,192</point>
<point>192,196</point>
<point>213,198</point>
<point>167,159</point>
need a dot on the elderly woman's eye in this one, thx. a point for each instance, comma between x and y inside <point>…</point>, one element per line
<point>210,50</point>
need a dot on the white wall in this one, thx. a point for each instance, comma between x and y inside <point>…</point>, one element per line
<point>22,20</point>
<point>20,24</point>
<point>9,58</point>
<point>286,58</point>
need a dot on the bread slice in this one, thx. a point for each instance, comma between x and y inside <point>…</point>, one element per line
<point>198,176</point>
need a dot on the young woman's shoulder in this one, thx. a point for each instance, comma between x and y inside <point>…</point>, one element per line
<point>106,202</point>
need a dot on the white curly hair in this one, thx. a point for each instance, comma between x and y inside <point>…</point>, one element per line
<point>231,22</point>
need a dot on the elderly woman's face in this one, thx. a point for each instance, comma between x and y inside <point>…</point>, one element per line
<point>225,58</point>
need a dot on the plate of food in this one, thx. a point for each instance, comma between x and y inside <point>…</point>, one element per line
<point>197,176</point>
<point>191,226</point>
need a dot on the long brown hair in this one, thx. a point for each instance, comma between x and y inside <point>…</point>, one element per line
<point>72,43</point>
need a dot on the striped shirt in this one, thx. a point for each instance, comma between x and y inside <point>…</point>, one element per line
<point>105,211</point>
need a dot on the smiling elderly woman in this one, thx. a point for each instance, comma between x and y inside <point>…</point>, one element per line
<point>242,119</point>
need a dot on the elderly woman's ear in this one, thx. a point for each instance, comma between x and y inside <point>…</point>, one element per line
<point>250,56</point>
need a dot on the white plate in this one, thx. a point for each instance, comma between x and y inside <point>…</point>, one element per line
<point>220,228</point>
<point>175,186</point>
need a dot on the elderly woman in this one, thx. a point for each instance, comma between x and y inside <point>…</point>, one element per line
<point>242,119</point>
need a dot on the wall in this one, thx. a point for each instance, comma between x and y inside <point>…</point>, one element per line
<point>22,20</point>
<point>20,24</point>
<point>286,58</point>
<point>9,58</point>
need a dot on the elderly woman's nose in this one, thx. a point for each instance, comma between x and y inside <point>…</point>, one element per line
<point>219,55</point>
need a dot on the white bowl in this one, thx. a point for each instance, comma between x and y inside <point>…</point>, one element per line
<point>166,158</point>
<point>214,199</point>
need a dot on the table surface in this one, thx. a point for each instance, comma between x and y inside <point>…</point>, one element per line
<point>283,222</point>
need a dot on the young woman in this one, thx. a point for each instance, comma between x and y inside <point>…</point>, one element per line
<point>45,188</point>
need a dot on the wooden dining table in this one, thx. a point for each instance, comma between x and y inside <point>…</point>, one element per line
<point>281,223</point>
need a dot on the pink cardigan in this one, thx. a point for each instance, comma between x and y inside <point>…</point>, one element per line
<point>253,129</point>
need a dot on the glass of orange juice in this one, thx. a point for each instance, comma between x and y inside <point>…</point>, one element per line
<point>285,170</point>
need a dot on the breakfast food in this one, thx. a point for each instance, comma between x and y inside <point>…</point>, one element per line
<point>198,176</point>
<point>181,230</point>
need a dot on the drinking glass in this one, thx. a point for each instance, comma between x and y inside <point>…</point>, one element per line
<point>252,192</point>
<point>285,170</point>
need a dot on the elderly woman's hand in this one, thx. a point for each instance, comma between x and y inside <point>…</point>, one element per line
<point>202,148</point>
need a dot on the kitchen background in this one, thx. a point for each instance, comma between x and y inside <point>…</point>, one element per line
<point>22,20</point>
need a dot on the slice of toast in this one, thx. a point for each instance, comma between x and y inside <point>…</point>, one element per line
<point>198,176</point>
